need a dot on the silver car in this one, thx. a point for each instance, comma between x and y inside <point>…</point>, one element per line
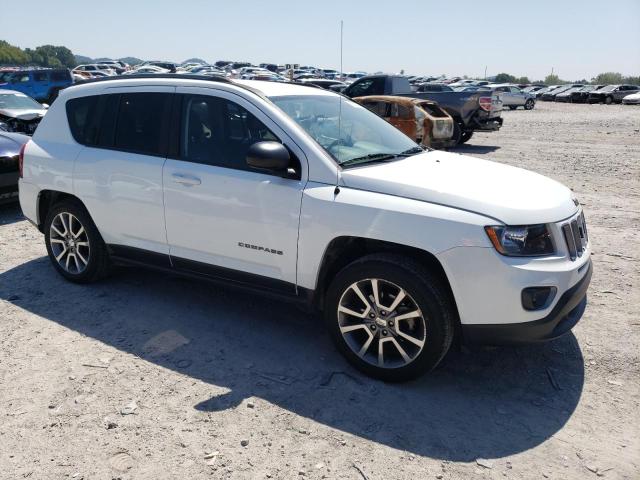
<point>513,97</point>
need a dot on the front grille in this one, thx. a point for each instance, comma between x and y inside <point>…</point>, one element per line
<point>575,235</point>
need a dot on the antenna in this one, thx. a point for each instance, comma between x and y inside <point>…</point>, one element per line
<point>341,30</point>
<point>337,189</point>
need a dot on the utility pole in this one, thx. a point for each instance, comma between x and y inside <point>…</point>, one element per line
<point>485,72</point>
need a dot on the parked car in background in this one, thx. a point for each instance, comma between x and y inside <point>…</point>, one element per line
<point>633,99</point>
<point>423,121</point>
<point>612,93</point>
<point>10,146</point>
<point>116,66</point>
<point>146,69</point>
<point>538,94</point>
<point>330,73</point>
<point>567,95</point>
<point>550,96</point>
<point>325,83</point>
<point>532,89</point>
<point>471,111</point>
<point>433,87</point>
<point>95,67</point>
<point>513,97</point>
<point>581,95</point>
<point>352,76</point>
<point>40,84</point>
<point>19,112</point>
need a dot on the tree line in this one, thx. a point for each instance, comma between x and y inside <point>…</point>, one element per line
<point>607,78</point>
<point>42,56</point>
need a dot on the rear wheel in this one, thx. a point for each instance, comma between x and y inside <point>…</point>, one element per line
<point>529,104</point>
<point>389,317</point>
<point>74,244</point>
<point>466,136</point>
<point>608,100</point>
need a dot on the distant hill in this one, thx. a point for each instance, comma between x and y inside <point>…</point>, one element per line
<point>85,59</point>
<point>195,60</point>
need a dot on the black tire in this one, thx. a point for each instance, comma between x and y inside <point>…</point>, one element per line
<point>457,133</point>
<point>608,100</point>
<point>529,104</point>
<point>422,288</point>
<point>512,107</point>
<point>95,254</point>
<point>466,136</point>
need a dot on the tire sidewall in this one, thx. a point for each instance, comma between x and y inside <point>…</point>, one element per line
<point>424,291</point>
<point>529,105</point>
<point>95,240</point>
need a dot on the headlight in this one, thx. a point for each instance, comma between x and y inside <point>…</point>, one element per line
<point>521,240</point>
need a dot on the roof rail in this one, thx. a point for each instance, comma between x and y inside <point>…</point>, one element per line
<point>176,76</point>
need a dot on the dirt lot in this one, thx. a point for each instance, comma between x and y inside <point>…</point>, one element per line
<point>149,376</point>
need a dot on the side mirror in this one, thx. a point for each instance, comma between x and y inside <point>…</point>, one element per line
<point>269,156</point>
<point>45,106</point>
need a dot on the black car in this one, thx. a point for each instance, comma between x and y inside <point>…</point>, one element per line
<point>10,145</point>
<point>433,87</point>
<point>581,95</point>
<point>612,93</point>
<point>550,96</point>
<point>325,83</point>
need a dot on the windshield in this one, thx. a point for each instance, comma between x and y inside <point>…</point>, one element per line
<point>347,132</point>
<point>608,88</point>
<point>18,101</point>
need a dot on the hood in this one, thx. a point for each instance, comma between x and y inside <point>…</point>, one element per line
<point>511,195</point>
<point>22,114</point>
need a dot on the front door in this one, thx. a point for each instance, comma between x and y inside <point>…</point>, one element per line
<point>223,217</point>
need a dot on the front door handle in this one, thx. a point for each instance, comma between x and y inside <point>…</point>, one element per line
<point>187,180</point>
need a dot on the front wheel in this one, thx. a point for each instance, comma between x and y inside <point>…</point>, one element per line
<point>608,100</point>
<point>389,317</point>
<point>74,244</point>
<point>529,104</point>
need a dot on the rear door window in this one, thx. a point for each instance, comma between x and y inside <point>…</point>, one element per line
<point>141,124</point>
<point>40,76</point>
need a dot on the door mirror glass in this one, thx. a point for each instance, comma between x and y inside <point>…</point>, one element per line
<point>268,155</point>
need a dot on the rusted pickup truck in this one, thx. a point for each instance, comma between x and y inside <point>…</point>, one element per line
<point>421,120</point>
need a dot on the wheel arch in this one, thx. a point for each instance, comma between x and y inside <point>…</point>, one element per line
<point>343,250</point>
<point>47,199</point>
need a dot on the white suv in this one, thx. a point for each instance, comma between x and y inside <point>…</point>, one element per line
<point>303,193</point>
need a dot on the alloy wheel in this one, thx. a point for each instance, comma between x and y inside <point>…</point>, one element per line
<point>381,323</point>
<point>69,243</point>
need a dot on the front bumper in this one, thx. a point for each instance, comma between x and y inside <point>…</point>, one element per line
<point>631,102</point>
<point>564,316</point>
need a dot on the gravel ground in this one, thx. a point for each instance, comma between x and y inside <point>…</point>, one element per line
<point>148,376</point>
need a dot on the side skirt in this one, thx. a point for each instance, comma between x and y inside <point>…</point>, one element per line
<point>266,286</point>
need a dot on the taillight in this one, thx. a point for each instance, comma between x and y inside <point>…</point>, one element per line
<point>21,160</point>
<point>485,103</point>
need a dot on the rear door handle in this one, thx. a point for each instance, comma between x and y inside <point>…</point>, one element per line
<point>187,180</point>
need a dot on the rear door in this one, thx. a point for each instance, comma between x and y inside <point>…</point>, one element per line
<point>41,84</point>
<point>223,217</point>
<point>119,174</point>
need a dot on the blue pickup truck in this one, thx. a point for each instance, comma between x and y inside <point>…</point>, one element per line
<point>40,84</point>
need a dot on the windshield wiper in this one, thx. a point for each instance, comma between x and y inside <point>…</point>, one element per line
<point>381,157</point>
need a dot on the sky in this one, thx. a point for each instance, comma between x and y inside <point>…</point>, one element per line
<point>576,38</point>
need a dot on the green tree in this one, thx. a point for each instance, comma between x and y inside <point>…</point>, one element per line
<point>553,80</point>
<point>608,78</point>
<point>522,80</point>
<point>505,78</point>
<point>11,55</point>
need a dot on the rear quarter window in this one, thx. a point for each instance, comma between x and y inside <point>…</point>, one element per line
<point>81,112</point>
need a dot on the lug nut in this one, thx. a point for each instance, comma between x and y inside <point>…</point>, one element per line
<point>384,332</point>
<point>373,327</point>
<point>383,313</point>
<point>372,315</point>
<point>391,323</point>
